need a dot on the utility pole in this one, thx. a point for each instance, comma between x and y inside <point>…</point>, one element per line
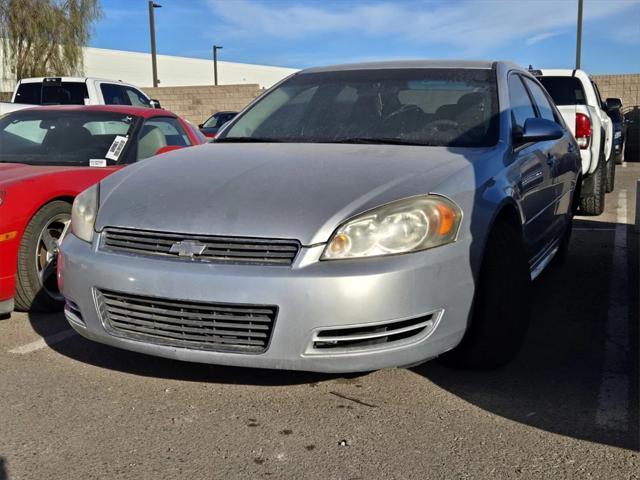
<point>579,39</point>
<point>215,63</point>
<point>152,29</point>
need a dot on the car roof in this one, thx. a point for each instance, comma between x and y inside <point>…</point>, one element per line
<point>72,79</point>
<point>144,112</point>
<point>471,64</point>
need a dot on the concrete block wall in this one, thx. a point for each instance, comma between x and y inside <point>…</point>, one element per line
<point>196,104</point>
<point>625,87</point>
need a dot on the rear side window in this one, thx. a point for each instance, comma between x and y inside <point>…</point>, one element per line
<point>521,106</point>
<point>564,90</point>
<point>544,107</point>
<point>52,93</point>
<point>158,133</point>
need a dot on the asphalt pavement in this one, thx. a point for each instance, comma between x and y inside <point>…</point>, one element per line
<point>567,407</point>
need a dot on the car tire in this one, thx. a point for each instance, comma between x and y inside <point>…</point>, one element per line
<point>594,204</point>
<point>500,315</point>
<point>36,285</point>
<point>611,175</point>
<point>620,156</point>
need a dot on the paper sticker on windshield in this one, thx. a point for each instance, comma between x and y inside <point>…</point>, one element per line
<point>116,147</point>
<point>97,162</point>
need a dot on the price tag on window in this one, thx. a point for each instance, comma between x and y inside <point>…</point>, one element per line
<point>116,147</point>
<point>97,162</point>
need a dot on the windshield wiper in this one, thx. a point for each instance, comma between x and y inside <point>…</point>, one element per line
<point>246,140</point>
<point>375,141</point>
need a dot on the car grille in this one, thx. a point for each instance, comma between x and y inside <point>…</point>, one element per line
<point>216,249</point>
<point>372,336</point>
<point>207,326</point>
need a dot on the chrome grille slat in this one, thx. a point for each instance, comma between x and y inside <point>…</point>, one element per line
<point>200,339</point>
<point>168,327</point>
<point>211,326</point>
<point>217,248</point>
<point>179,321</point>
<point>182,314</point>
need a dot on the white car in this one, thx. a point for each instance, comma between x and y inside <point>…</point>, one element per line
<point>75,91</point>
<point>578,99</point>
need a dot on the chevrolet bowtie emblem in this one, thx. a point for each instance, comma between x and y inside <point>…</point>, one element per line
<point>188,248</point>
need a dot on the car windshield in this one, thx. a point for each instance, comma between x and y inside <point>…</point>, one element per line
<point>55,137</point>
<point>414,106</point>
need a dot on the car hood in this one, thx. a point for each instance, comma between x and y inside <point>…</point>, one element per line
<point>296,191</point>
<point>18,172</point>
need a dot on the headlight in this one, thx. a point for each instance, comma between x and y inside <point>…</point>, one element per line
<point>617,135</point>
<point>403,226</point>
<point>84,212</point>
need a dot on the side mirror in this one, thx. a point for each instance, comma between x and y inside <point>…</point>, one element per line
<point>155,103</point>
<point>538,130</point>
<point>168,148</point>
<point>201,125</point>
<point>613,103</point>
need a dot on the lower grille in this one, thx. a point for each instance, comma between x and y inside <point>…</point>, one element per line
<point>374,335</point>
<point>207,326</point>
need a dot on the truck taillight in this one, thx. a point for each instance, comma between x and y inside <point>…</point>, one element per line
<point>583,130</point>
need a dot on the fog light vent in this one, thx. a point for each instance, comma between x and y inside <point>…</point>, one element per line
<point>365,336</point>
<point>72,312</point>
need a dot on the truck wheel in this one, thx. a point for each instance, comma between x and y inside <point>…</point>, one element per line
<point>593,204</point>
<point>500,315</point>
<point>611,175</point>
<point>37,286</point>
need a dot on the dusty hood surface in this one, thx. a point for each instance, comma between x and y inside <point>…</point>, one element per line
<point>296,191</point>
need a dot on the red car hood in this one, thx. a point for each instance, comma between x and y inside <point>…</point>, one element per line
<point>16,172</point>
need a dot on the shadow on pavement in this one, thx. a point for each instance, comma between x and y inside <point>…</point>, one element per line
<point>553,385</point>
<point>104,356</point>
<point>555,381</point>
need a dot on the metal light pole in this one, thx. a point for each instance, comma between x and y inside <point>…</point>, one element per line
<point>152,29</point>
<point>215,63</point>
<point>579,39</point>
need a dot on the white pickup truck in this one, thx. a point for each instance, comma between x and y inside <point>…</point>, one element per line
<point>578,99</point>
<point>75,91</point>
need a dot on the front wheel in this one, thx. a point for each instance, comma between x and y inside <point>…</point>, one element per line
<point>37,286</point>
<point>500,316</point>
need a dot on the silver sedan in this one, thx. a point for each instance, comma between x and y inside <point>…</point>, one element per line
<point>352,218</point>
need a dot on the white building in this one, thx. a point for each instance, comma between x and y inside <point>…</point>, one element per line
<point>135,68</point>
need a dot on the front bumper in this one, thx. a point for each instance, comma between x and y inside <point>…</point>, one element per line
<point>310,296</point>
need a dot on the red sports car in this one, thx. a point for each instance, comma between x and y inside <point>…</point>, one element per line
<point>48,155</point>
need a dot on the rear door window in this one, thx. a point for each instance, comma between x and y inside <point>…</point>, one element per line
<point>114,94</point>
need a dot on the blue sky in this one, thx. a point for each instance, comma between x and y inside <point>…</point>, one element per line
<point>302,33</point>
